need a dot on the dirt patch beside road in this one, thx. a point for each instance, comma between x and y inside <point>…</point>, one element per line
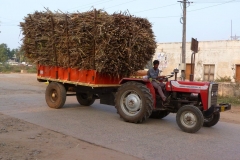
<point>22,140</point>
<point>231,116</point>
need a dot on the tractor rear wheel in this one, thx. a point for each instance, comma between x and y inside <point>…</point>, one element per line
<point>55,95</point>
<point>134,102</point>
<point>159,114</point>
<point>189,118</point>
<point>211,121</point>
<point>84,99</point>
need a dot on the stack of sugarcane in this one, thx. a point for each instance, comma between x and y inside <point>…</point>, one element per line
<point>117,44</point>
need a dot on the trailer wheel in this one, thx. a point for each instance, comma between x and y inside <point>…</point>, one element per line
<point>84,99</point>
<point>55,95</point>
<point>189,118</point>
<point>159,114</point>
<point>211,121</point>
<point>134,102</point>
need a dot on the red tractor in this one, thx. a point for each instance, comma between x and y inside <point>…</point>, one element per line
<point>195,103</point>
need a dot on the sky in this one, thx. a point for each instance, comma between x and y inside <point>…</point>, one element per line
<point>207,20</point>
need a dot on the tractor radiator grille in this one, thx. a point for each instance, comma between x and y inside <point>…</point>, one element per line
<point>214,94</point>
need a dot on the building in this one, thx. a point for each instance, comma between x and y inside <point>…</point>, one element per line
<point>214,60</point>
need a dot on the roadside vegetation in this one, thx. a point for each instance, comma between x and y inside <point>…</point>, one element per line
<point>234,101</point>
<point>6,68</point>
<point>14,61</point>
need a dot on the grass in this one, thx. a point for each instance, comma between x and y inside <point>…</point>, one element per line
<point>232,100</point>
<point>17,69</point>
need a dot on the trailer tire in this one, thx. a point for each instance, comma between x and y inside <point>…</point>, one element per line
<point>83,99</point>
<point>134,102</point>
<point>211,121</point>
<point>189,118</point>
<point>55,95</point>
<point>159,114</point>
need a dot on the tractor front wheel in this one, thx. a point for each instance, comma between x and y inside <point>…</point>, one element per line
<point>189,118</point>
<point>212,120</point>
<point>134,102</point>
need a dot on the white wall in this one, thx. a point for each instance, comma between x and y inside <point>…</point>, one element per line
<point>224,54</point>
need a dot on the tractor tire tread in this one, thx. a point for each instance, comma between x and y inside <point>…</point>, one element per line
<point>148,101</point>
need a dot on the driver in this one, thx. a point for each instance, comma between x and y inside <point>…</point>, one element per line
<point>153,74</point>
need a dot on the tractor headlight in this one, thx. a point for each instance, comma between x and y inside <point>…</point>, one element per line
<point>214,94</point>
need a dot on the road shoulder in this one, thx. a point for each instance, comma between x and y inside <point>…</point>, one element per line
<point>23,140</point>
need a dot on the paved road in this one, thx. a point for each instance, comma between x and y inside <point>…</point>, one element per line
<point>21,96</point>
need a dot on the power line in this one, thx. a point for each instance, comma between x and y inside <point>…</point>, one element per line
<point>8,25</point>
<point>101,2</point>
<point>211,2</point>
<point>198,9</point>
<point>165,17</point>
<point>212,6</point>
<point>120,4</point>
<point>8,19</point>
<point>90,4</point>
<point>156,8</point>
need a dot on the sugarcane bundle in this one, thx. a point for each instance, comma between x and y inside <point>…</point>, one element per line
<point>116,44</point>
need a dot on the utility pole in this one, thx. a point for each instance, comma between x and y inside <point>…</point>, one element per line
<point>184,22</point>
<point>231,29</point>
<point>184,32</point>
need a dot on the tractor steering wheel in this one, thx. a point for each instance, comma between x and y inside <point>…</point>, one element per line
<point>165,78</point>
<point>169,76</point>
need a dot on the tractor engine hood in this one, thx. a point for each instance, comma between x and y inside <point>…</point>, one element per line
<point>187,86</point>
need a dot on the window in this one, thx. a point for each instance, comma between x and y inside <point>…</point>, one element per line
<point>209,72</point>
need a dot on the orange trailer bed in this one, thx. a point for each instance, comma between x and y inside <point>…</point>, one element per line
<point>75,76</point>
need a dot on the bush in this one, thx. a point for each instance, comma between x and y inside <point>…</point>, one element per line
<point>32,69</point>
<point>223,79</point>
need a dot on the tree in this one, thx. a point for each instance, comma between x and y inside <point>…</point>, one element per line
<point>20,55</point>
<point>3,53</point>
<point>6,53</point>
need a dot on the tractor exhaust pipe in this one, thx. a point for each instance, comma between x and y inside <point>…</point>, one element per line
<point>176,71</point>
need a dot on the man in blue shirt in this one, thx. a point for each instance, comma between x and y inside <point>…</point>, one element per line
<point>153,74</point>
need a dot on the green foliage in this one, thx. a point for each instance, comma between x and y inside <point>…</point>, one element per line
<point>223,79</point>
<point>32,69</point>
<point>231,100</point>
<point>19,53</point>
<point>6,51</point>
<point>3,53</point>
<point>6,54</point>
